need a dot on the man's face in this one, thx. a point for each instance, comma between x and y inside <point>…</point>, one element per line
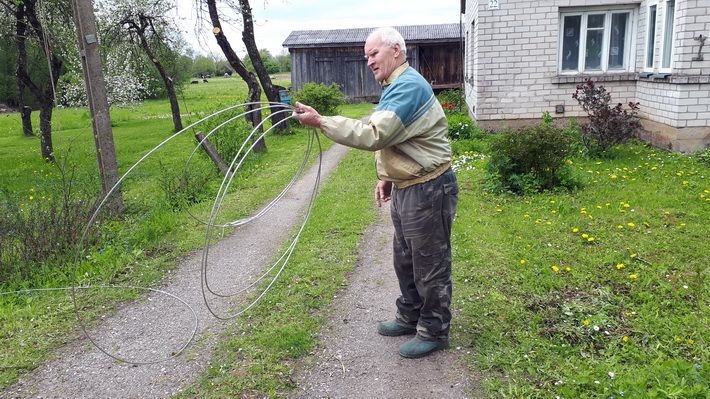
<point>381,59</point>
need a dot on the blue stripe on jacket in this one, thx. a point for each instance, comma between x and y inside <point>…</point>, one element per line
<point>409,97</point>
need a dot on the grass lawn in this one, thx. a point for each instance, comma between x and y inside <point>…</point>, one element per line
<point>597,293</point>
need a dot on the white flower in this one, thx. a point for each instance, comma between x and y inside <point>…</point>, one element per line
<point>611,375</point>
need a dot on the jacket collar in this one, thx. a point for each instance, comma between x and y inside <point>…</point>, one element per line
<point>395,74</point>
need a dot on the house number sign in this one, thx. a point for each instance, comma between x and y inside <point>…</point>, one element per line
<point>493,4</point>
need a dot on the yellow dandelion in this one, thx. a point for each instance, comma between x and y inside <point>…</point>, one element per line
<point>633,255</point>
<point>633,276</point>
<point>620,266</point>
<point>523,261</point>
<point>613,176</point>
<point>627,205</point>
<point>568,269</point>
<point>552,201</point>
<point>575,230</point>
<point>585,235</point>
<point>586,322</point>
<point>526,216</point>
<point>625,338</point>
<point>499,210</point>
<point>690,341</point>
<point>590,239</point>
<point>630,224</point>
<point>654,167</point>
<point>555,268</point>
<point>619,227</point>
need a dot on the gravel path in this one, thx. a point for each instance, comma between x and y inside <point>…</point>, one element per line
<point>352,360</point>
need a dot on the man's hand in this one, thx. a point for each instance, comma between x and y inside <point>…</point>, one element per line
<point>383,190</point>
<point>307,115</point>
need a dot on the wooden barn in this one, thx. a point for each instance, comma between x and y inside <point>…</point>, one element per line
<point>337,56</point>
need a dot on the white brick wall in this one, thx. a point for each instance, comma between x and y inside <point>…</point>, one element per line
<point>515,71</point>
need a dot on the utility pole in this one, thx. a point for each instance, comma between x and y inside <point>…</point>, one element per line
<point>85,22</point>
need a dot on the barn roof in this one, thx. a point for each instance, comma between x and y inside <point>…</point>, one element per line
<point>438,33</point>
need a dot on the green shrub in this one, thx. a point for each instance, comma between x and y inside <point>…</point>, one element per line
<point>530,160</point>
<point>325,99</point>
<point>452,101</point>
<point>228,139</point>
<point>184,187</point>
<point>44,225</point>
<point>462,127</point>
<point>704,156</point>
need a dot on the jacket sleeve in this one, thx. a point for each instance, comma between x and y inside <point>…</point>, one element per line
<point>383,129</point>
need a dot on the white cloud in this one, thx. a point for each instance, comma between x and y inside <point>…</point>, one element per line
<point>275,19</point>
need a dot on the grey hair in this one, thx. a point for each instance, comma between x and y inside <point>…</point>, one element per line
<point>390,36</point>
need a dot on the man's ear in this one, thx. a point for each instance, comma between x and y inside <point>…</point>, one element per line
<point>397,50</point>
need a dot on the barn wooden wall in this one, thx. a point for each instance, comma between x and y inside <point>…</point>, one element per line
<point>347,67</point>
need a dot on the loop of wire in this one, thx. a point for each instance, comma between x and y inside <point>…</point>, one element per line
<point>210,223</point>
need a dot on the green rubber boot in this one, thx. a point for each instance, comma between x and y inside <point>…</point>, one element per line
<point>394,328</point>
<point>417,347</point>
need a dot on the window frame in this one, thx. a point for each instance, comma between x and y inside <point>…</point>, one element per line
<point>608,11</point>
<point>665,50</point>
<point>650,38</point>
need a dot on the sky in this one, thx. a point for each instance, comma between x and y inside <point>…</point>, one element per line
<point>275,19</point>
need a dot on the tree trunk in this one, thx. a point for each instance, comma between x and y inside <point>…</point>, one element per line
<point>45,128</point>
<point>46,96</point>
<point>26,116</point>
<point>167,80</point>
<point>250,42</point>
<point>254,89</point>
<point>212,153</point>
<point>20,43</point>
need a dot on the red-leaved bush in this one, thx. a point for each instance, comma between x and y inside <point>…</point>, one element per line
<point>608,126</point>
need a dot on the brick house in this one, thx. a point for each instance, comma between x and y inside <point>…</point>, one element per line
<point>525,57</point>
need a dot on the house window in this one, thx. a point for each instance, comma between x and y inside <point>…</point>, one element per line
<point>651,36</point>
<point>668,34</point>
<point>596,41</point>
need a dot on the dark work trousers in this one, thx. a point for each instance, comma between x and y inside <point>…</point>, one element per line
<point>422,215</point>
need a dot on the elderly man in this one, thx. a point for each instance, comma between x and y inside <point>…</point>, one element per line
<point>408,132</point>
